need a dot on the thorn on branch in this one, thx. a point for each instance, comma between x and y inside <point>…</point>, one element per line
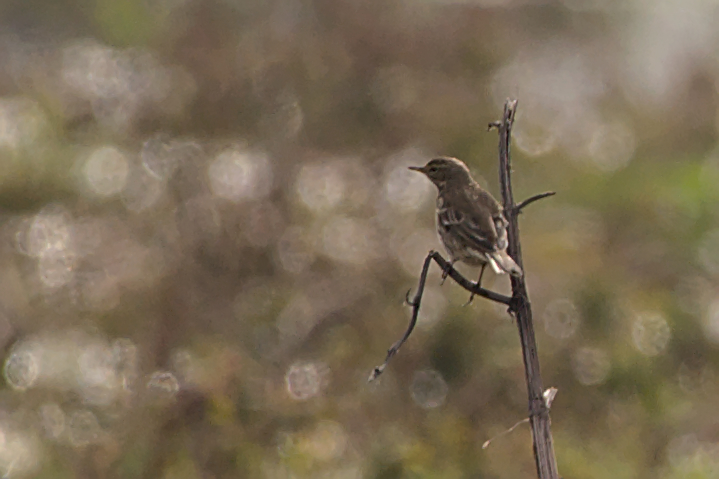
<point>407,300</point>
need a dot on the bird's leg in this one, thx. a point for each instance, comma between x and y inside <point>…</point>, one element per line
<point>479,283</point>
<point>445,272</point>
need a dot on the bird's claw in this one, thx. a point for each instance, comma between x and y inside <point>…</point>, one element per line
<point>471,298</point>
<point>445,273</point>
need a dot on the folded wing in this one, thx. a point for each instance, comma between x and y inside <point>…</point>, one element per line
<point>469,232</point>
<point>489,240</point>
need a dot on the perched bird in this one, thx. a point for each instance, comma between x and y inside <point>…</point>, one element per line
<point>470,222</point>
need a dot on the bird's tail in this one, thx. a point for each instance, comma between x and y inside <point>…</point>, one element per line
<point>501,262</point>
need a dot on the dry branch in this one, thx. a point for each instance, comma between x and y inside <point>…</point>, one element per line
<point>446,266</point>
<point>518,304</point>
<point>538,410</point>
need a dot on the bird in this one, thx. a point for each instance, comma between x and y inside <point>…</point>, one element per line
<point>470,222</point>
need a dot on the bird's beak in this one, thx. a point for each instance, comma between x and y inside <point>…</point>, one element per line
<point>417,168</point>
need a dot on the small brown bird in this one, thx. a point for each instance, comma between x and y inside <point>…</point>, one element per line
<point>470,222</point>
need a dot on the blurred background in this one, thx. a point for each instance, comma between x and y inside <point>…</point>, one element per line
<point>207,229</point>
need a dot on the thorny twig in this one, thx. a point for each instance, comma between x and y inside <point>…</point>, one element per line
<point>417,301</point>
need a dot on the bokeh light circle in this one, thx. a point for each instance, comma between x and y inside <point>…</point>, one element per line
<point>21,370</point>
<point>163,384</point>
<point>591,365</point>
<point>561,319</point>
<point>306,379</point>
<point>106,171</point>
<point>651,333</point>
<point>83,428</point>
<point>238,175</point>
<point>428,389</point>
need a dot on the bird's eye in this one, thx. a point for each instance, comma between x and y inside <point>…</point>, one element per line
<point>433,169</point>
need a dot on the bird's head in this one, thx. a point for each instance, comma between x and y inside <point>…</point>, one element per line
<point>444,170</point>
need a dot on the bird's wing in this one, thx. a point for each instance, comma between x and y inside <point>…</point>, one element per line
<point>467,227</point>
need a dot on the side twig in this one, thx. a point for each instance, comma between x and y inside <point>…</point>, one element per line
<point>417,301</point>
<point>518,208</point>
<point>538,409</point>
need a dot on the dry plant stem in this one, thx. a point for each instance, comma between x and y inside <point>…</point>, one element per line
<point>415,303</point>
<point>538,411</point>
<point>518,304</point>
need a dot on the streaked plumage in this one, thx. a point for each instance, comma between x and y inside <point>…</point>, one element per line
<point>470,222</point>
